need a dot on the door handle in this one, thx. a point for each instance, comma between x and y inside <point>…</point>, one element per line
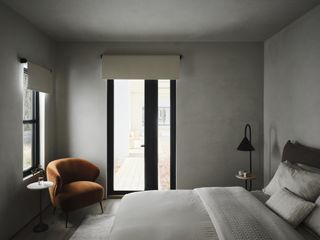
<point>142,145</point>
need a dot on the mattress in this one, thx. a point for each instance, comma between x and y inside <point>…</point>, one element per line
<point>230,213</point>
<point>307,233</point>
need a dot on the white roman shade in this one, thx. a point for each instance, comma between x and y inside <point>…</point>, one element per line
<point>140,66</point>
<point>39,78</point>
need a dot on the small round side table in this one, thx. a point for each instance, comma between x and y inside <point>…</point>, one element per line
<point>39,186</point>
<point>249,178</point>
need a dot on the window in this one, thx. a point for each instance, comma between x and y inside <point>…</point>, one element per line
<point>31,149</point>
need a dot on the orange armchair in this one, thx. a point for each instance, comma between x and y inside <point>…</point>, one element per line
<point>74,184</point>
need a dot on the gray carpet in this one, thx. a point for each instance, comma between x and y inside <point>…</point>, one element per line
<point>94,227</point>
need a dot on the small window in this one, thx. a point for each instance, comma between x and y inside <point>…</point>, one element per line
<point>31,135</point>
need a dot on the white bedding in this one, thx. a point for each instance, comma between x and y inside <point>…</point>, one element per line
<point>160,215</point>
<point>202,214</point>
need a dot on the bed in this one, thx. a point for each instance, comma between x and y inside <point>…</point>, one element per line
<point>215,213</point>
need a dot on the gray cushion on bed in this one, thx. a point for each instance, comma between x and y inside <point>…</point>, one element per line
<point>260,195</point>
<point>290,207</point>
<point>313,220</point>
<point>309,168</point>
<point>303,183</point>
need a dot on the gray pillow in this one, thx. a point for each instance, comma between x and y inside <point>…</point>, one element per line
<point>309,168</point>
<point>303,183</point>
<point>313,220</point>
<point>290,207</point>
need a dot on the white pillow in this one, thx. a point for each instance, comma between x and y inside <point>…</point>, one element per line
<point>303,183</point>
<point>290,207</point>
<point>313,220</point>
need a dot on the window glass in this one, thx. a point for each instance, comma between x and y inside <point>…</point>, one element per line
<point>27,99</point>
<point>27,146</point>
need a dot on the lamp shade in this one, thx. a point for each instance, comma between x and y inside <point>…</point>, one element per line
<point>245,145</point>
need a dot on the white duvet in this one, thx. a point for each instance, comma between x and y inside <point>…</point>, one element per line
<point>200,214</point>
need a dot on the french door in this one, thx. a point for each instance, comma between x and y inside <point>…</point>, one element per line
<point>141,138</point>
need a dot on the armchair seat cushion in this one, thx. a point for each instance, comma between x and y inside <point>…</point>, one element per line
<point>79,194</point>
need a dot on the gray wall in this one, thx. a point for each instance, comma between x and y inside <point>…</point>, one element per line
<point>18,38</point>
<point>292,88</point>
<point>220,90</point>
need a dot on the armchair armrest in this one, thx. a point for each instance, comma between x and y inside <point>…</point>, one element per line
<point>54,176</point>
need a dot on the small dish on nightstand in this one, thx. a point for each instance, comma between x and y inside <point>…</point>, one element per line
<point>249,177</point>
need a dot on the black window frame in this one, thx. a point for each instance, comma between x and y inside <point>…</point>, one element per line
<point>110,139</point>
<point>35,121</point>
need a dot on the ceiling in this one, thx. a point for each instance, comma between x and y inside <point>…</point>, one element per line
<point>161,20</point>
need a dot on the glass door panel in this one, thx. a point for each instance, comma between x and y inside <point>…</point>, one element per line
<point>129,99</point>
<point>164,134</point>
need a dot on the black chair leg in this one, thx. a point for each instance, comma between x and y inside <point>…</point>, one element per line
<point>67,218</point>
<point>54,210</point>
<point>101,207</point>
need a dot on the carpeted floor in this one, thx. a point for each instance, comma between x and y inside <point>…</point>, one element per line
<point>94,227</point>
<point>57,229</point>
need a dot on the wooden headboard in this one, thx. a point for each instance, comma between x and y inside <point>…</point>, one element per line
<point>298,153</point>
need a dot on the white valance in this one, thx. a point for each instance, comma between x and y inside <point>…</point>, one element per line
<point>39,78</point>
<point>140,66</point>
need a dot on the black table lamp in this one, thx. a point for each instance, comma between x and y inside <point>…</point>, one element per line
<point>246,145</point>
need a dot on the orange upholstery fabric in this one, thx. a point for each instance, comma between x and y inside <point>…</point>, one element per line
<point>74,185</point>
<point>78,194</point>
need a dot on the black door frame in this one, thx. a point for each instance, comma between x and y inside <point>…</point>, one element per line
<point>151,136</point>
<point>173,177</point>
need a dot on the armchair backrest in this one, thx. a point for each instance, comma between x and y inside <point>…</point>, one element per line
<point>76,169</point>
<point>67,170</point>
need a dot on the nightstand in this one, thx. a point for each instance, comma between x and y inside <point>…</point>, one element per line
<point>249,178</point>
